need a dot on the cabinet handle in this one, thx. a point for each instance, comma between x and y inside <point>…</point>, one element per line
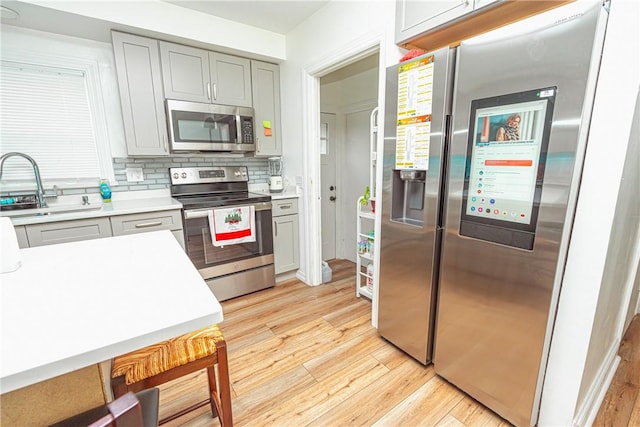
<point>215,91</point>
<point>208,90</point>
<point>148,224</point>
<point>285,207</point>
<point>164,142</point>
<point>276,225</point>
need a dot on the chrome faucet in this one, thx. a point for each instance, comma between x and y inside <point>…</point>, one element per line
<point>42,202</point>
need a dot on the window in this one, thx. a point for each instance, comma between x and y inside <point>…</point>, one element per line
<point>53,114</point>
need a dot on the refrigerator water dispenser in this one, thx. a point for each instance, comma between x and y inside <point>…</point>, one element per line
<point>408,196</point>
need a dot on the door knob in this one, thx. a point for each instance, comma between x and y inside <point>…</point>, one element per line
<point>332,198</point>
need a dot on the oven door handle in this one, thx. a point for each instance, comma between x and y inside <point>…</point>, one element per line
<point>203,213</point>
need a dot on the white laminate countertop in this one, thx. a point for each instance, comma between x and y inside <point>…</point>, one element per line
<point>100,209</point>
<point>76,304</point>
<point>262,188</point>
<point>130,202</point>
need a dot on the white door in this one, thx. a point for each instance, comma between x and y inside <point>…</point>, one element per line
<point>328,160</point>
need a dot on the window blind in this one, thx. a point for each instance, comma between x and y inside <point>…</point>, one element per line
<point>45,113</point>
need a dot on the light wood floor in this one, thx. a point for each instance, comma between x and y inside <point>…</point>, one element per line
<point>304,355</point>
<point>309,356</point>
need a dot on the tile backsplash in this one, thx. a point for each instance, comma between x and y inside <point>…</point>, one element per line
<point>156,171</point>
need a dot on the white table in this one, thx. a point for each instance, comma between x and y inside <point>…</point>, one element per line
<point>77,304</point>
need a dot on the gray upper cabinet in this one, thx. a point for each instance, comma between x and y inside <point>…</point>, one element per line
<point>414,17</point>
<point>230,79</point>
<point>192,74</point>
<point>140,82</point>
<point>185,72</point>
<point>265,83</point>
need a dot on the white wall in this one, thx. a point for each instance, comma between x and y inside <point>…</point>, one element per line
<point>577,337</point>
<point>619,270</point>
<point>323,39</point>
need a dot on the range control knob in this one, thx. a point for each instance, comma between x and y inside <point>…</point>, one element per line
<point>183,174</point>
<point>175,175</point>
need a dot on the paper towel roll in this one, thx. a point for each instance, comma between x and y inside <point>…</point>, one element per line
<point>10,252</point>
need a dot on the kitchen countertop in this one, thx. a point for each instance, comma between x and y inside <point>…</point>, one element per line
<point>126,204</point>
<point>288,193</point>
<point>76,304</point>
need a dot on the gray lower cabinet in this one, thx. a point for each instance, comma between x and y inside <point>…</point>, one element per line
<point>21,234</point>
<point>50,233</point>
<point>192,74</point>
<point>149,221</point>
<point>265,85</point>
<point>141,97</point>
<point>286,244</point>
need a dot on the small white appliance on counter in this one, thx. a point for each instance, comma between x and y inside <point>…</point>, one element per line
<point>276,184</point>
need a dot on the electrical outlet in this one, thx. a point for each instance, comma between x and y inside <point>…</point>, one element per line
<point>134,175</point>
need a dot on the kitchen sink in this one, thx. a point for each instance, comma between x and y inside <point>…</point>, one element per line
<point>51,210</point>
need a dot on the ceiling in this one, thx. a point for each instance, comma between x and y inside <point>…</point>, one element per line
<point>279,16</point>
<point>276,16</point>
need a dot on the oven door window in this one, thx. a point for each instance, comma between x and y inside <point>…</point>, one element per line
<point>199,127</point>
<point>204,254</point>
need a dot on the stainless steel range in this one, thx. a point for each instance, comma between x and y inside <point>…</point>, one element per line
<point>232,258</point>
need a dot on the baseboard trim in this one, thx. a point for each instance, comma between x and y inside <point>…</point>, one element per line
<point>595,396</point>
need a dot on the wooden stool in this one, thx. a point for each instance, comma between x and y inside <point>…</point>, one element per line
<point>174,358</point>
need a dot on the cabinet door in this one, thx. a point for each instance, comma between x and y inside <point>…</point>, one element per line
<point>414,17</point>
<point>149,221</point>
<point>68,231</point>
<point>140,83</point>
<point>145,222</point>
<point>285,243</point>
<point>230,79</point>
<point>185,72</point>
<point>21,235</point>
<point>265,84</point>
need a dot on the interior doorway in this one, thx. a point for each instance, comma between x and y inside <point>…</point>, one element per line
<point>347,97</point>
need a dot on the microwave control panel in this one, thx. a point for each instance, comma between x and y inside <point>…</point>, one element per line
<point>247,130</point>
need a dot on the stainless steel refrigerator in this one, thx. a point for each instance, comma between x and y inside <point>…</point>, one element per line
<point>484,296</point>
<point>417,110</point>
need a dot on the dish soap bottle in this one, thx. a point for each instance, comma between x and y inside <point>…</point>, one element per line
<point>105,191</point>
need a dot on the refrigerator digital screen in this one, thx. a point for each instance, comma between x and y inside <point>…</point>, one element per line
<point>506,156</point>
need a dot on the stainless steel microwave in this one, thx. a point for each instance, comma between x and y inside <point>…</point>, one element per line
<point>200,127</point>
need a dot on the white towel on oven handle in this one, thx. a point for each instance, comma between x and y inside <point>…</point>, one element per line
<point>230,226</point>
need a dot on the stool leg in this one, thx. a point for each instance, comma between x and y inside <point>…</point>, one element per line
<point>119,386</point>
<point>213,391</point>
<point>225,384</point>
